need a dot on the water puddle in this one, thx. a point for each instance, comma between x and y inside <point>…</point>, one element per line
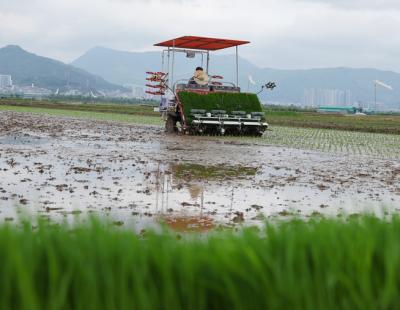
<point>137,176</point>
<point>23,140</point>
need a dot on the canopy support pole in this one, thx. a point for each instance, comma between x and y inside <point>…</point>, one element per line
<point>173,65</point>
<point>169,85</point>
<point>237,67</point>
<point>162,61</point>
<point>208,61</point>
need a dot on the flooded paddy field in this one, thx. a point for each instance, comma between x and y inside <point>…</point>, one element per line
<point>60,167</point>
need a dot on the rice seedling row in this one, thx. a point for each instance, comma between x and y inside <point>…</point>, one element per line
<point>336,141</point>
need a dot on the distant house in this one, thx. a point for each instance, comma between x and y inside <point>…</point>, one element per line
<point>34,92</point>
<point>338,109</point>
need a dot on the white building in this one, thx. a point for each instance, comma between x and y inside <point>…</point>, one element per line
<point>5,81</point>
<point>34,92</point>
<point>138,92</point>
<point>331,97</point>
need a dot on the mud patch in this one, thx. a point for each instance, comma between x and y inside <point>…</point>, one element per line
<point>188,223</point>
<point>138,176</point>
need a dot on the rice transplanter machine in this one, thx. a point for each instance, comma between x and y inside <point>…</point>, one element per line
<point>216,107</point>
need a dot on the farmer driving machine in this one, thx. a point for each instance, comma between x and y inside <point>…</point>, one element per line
<point>213,107</point>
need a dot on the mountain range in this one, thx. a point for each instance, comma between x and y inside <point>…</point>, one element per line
<point>27,69</point>
<point>107,69</point>
<point>293,86</point>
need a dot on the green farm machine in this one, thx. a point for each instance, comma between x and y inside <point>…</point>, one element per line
<point>213,107</point>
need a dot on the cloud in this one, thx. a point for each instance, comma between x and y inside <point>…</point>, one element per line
<point>361,4</point>
<point>284,33</point>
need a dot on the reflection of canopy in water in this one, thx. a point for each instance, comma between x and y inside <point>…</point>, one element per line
<point>195,190</point>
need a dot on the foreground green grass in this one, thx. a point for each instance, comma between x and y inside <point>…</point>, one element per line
<point>326,264</point>
<point>136,118</point>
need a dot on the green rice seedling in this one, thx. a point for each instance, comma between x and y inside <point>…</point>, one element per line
<point>371,123</point>
<point>220,101</point>
<point>320,264</point>
<point>379,145</point>
<point>336,141</point>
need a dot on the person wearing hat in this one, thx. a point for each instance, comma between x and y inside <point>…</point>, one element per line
<point>200,77</point>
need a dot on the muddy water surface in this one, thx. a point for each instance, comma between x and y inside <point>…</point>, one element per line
<point>61,167</point>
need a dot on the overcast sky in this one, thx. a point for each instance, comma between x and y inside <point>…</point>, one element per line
<point>284,33</point>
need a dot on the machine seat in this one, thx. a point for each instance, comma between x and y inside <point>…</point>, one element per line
<point>183,87</point>
<point>227,89</point>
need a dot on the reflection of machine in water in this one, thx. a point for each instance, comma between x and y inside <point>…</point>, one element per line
<point>189,216</point>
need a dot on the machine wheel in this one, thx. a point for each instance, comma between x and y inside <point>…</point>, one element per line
<point>170,125</point>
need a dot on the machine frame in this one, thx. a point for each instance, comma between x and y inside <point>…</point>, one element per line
<point>211,122</point>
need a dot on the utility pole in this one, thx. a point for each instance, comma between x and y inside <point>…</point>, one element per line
<point>375,86</point>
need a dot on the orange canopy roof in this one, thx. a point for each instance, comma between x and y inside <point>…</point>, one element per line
<point>201,43</point>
